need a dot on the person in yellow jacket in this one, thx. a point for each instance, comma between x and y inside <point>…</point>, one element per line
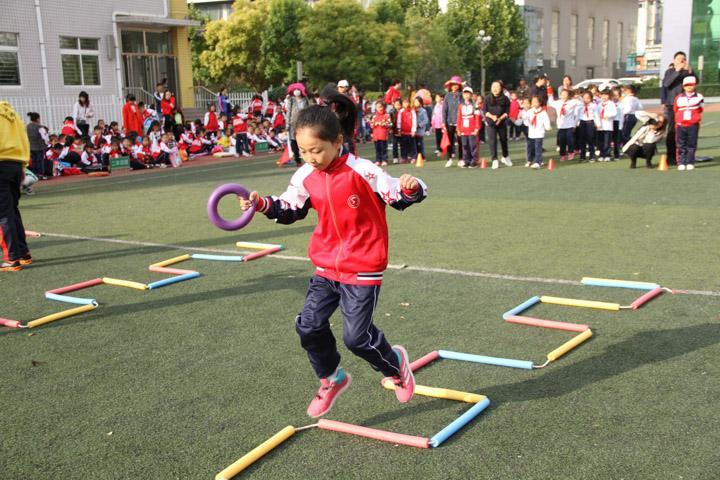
<point>14,156</point>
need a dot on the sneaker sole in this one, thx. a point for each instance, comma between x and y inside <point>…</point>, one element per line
<point>11,269</point>
<point>332,404</point>
<point>406,358</point>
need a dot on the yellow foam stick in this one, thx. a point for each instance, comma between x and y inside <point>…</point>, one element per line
<point>172,261</point>
<point>255,454</point>
<point>445,393</point>
<point>124,283</point>
<point>569,345</point>
<point>61,315</point>
<point>256,246</point>
<point>573,302</point>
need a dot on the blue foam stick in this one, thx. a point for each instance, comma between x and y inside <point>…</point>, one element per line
<point>66,299</point>
<point>218,258</point>
<point>459,423</point>
<point>597,282</point>
<point>522,307</point>
<point>500,362</point>
<point>171,280</point>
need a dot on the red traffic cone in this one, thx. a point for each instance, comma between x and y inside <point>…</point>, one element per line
<point>551,164</point>
<point>483,163</point>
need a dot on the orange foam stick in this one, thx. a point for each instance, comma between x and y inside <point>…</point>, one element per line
<point>382,435</point>
<point>261,253</point>
<point>538,322</point>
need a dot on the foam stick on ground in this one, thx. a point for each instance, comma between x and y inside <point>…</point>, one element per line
<point>255,454</point>
<point>424,360</point>
<point>500,362</point>
<point>61,315</point>
<point>382,435</point>
<point>258,246</point>
<point>522,307</point>
<point>218,258</point>
<point>444,393</point>
<point>10,323</point>
<point>538,322</point>
<point>569,345</point>
<point>172,261</point>
<point>169,271</point>
<point>261,253</point>
<point>77,286</point>
<point>437,439</point>
<point>643,299</point>
<point>172,280</point>
<point>573,302</point>
<point>124,283</point>
<point>67,299</point>
<point>605,282</point>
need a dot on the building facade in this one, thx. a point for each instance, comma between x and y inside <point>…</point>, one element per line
<point>50,50</point>
<point>581,39</point>
<point>648,57</point>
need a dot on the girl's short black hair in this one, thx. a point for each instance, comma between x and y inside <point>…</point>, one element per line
<point>322,120</point>
<point>67,119</point>
<point>34,116</point>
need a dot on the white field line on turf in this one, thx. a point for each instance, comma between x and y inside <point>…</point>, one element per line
<point>446,271</point>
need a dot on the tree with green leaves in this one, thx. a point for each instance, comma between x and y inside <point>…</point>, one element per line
<point>280,39</point>
<point>197,44</point>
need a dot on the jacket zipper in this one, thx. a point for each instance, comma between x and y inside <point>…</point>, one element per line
<point>334,220</point>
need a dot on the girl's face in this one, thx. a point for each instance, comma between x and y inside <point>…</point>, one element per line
<point>526,104</point>
<point>380,108</point>
<point>496,88</point>
<point>212,107</point>
<point>146,142</point>
<point>587,98</point>
<point>405,104</point>
<point>438,99</point>
<point>605,97</point>
<point>535,103</point>
<point>317,152</point>
<point>454,87</point>
<point>167,94</point>
<point>467,96</point>
<point>397,105</point>
<point>564,95</point>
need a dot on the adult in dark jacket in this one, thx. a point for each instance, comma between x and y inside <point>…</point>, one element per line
<point>450,114</point>
<point>497,111</point>
<point>673,85</point>
<point>539,89</point>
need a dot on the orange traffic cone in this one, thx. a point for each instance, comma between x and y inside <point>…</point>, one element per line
<point>551,165</point>
<point>483,163</point>
<point>663,167</point>
<point>420,161</point>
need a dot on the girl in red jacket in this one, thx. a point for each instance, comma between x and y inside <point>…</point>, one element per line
<point>349,249</point>
<point>211,120</point>
<point>407,125</point>
<point>380,123</point>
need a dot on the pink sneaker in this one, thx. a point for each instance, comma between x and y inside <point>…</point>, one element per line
<point>326,396</point>
<point>405,382</point>
<point>562,158</point>
<point>571,156</point>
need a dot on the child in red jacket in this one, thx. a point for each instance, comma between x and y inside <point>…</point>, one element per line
<point>688,108</point>
<point>468,126</point>
<point>349,249</point>
<point>380,123</point>
<point>407,125</point>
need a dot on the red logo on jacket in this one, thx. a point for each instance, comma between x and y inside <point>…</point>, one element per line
<point>353,201</point>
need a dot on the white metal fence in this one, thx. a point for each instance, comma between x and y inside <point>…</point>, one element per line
<point>204,97</point>
<point>106,107</point>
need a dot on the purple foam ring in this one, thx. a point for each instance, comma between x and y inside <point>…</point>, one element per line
<point>214,200</point>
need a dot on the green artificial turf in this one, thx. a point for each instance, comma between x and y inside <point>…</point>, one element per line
<point>179,382</point>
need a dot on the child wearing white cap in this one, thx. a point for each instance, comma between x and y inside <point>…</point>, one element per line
<point>688,109</point>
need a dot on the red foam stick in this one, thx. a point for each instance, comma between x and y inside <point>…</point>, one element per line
<point>646,298</point>
<point>9,323</point>
<point>261,253</point>
<point>77,286</point>
<point>422,361</point>
<point>538,322</point>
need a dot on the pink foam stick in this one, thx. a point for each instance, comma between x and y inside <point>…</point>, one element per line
<point>9,323</point>
<point>422,361</point>
<point>170,271</point>
<point>646,298</point>
<point>382,435</point>
<point>538,322</point>
<point>261,253</point>
<point>77,286</point>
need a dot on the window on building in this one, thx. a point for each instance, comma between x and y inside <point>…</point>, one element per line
<point>573,39</point>
<point>146,42</point>
<point>534,28</point>
<point>9,65</point>
<point>619,43</point>
<point>555,39</point>
<point>591,33</point>
<point>80,59</point>
<point>606,43</point>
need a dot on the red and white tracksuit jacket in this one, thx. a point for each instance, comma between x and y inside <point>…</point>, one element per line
<point>468,120</point>
<point>407,121</point>
<point>688,109</point>
<point>350,242</point>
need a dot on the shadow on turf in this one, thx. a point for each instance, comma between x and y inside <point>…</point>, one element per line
<point>640,349</point>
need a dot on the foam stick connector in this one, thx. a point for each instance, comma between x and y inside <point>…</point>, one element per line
<point>538,322</point>
<point>444,393</point>
<point>569,345</point>
<point>172,280</point>
<point>573,302</point>
<point>447,432</point>
<point>382,435</point>
<point>67,299</point>
<point>218,258</point>
<point>77,286</point>
<point>255,454</point>
<point>522,307</point>
<point>61,315</point>
<point>605,282</point>
<point>261,253</point>
<point>646,298</point>
<point>9,323</point>
<point>500,362</point>
<point>124,283</point>
<point>424,360</point>
<point>258,246</point>
<point>172,261</point>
